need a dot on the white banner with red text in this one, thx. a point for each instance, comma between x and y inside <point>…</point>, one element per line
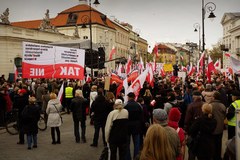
<point>47,61</point>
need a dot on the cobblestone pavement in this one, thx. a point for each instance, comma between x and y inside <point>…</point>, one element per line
<point>67,150</point>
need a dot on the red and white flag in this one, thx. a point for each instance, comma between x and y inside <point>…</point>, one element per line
<point>128,65</point>
<point>132,76</point>
<point>119,70</point>
<point>115,79</point>
<point>113,51</point>
<point>60,93</point>
<point>88,79</point>
<point>155,50</point>
<point>154,65</point>
<point>210,69</point>
<point>191,70</point>
<point>162,72</point>
<point>227,54</point>
<point>217,64</point>
<point>141,64</point>
<point>149,77</point>
<point>200,62</point>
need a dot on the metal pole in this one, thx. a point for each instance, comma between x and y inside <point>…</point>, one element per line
<point>90,27</point>
<point>203,39</point>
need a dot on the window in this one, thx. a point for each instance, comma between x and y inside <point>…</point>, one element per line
<point>72,18</point>
<point>85,37</point>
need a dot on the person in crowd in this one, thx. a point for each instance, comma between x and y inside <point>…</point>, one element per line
<point>69,92</point>
<point>3,107</point>
<point>146,119</point>
<point>116,131</point>
<point>173,120</point>
<point>160,117</point>
<point>156,145</point>
<point>53,110</point>
<point>171,102</point>
<point>223,93</point>
<point>147,97</point>
<point>39,94</point>
<point>78,108</point>
<point>20,101</point>
<point>92,97</point>
<point>194,111</point>
<point>231,113</point>
<point>204,127</point>
<point>110,99</point>
<point>100,111</point>
<point>134,124</point>
<point>30,118</point>
<point>46,98</point>
<point>208,93</point>
<point>219,113</point>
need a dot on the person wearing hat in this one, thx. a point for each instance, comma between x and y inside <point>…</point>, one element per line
<point>194,111</point>
<point>116,130</point>
<point>173,120</point>
<point>160,117</point>
<point>30,118</point>
<point>20,101</point>
<point>134,124</point>
<point>219,112</point>
<point>231,113</point>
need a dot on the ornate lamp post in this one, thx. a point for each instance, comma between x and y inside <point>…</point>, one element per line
<point>208,7</point>
<point>86,19</point>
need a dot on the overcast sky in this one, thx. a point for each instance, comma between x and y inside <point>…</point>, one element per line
<point>155,20</point>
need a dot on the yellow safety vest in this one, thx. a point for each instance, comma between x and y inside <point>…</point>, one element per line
<point>233,121</point>
<point>68,92</point>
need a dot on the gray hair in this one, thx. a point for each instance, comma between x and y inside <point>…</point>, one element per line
<point>78,93</point>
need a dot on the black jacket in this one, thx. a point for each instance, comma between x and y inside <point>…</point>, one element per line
<point>205,126</point>
<point>78,108</point>
<point>30,118</point>
<point>135,113</point>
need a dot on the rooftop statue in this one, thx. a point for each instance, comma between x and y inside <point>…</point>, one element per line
<point>75,34</point>
<point>4,17</point>
<point>46,22</point>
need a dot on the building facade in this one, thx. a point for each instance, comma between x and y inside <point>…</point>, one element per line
<point>231,36</point>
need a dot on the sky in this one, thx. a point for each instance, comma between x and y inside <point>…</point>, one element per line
<point>155,20</point>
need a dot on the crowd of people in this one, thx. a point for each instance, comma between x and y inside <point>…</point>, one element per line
<point>160,121</point>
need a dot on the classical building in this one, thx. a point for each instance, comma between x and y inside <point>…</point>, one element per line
<point>166,54</point>
<point>86,23</point>
<point>231,36</point>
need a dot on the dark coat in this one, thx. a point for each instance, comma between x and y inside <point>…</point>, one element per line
<point>30,118</point>
<point>135,116</point>
<point>206,126</point>
<point>101,109</point>
<point>78,108</point>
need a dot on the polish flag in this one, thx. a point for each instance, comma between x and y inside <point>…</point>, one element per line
<point>132,76</point>
<point>141,64</point>
<point>113,51</point>
<point>115,78</point>
<point>60,93</point>
<point>119,71</point>
<point>155,50</point>
<point>15,72</point>
<point>162,72</point>
<point>227,54</point>
<point>138,83</point>
<point>200,62</point>
<point>217,64</point>
<point>235,65</point>
<point>88,79</point>
<point>128,65</point>
<point>119,88</point>
<point>210,69</point>
<point>191,70</point>
<point>154,65</point>
<point>149,77</point>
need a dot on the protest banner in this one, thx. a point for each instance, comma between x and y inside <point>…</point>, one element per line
<point>47,61</point>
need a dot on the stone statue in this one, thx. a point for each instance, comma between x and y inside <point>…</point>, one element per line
<point>45,22</point>
<point>75,34</point>
<point>4,17</point>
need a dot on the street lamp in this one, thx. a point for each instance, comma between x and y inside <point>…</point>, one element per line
<point>197,28</point>
<point>208,7</point>
<point>84,19</point>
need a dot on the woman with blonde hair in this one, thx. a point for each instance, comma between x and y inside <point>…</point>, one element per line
<point>156,145</point>
<point>53,110</point>
<point>202,129</point>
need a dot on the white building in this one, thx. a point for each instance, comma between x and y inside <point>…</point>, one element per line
<point>231,36</point>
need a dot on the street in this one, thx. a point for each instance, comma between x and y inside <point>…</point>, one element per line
<point>67,150</point>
